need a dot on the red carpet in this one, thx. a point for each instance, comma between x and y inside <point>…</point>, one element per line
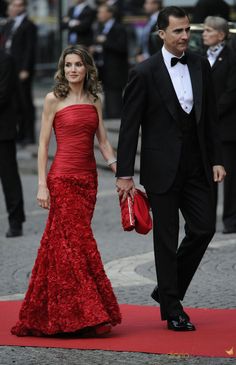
<point>142,331</point>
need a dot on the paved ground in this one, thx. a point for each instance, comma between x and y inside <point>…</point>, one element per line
<point>129,263</point>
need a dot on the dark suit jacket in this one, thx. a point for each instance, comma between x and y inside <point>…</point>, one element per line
<point>224,79</point>
<point>150,101</point>
<point>8,80</point>
<point>23,46</point>
<point>115,58</point>
<point>84,29</point>
<point>204,8</point>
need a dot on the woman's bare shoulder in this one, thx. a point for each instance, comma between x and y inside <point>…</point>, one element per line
<point>51,101</point>
<point>51,98</point>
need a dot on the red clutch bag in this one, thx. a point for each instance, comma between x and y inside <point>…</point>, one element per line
<point>136,214</point>
<point>127,214</point>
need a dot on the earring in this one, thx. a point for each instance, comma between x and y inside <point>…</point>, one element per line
<point>87,76</point>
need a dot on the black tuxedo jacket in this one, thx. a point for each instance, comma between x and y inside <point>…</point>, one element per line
<point>84,29</point>
<point>23,46</point>
<point>8,87</point>
<point>115,58</point>
<point>150,101</point>
<point>224,79</point>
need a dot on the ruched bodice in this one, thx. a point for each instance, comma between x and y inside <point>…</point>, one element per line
<point>75,127</point>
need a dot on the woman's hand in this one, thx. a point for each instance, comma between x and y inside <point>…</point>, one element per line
<point>43,197</point>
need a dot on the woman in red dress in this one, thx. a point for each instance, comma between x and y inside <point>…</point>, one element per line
<point>69,291</point>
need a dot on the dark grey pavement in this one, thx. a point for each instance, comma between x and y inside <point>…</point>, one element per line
<point>128,259</point>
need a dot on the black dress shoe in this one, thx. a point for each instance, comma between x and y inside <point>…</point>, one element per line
<point>228,230</point>
<point>14,232</point>
<point>180,323</point>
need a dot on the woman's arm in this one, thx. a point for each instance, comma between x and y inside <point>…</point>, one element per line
<point>104,144</point>
<point>44,139</point>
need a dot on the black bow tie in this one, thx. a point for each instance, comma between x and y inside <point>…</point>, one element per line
<point>175,60</point>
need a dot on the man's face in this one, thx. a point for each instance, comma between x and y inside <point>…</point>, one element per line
<point>211,36</point>
<point>150,7</point>
<point>103,14</point>
<point>176,35</point>
<point>16,7</point>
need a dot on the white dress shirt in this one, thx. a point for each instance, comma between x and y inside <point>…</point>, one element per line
<point>181,81</point>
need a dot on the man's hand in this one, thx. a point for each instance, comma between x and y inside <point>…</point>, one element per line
<point>125,187</point>
<point>73,23</point>
<point>101,38</point>
<point>219,173</point>
<point>23,75</point>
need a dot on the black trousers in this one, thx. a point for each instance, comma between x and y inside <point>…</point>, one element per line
<point>229,210</point>
<point>191,194</point>
<point>11,183</point>
<point>26,129</point>
<point>113,103</point>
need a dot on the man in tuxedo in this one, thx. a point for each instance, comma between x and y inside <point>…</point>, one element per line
<point>111,56</point>
<point>79,23</point>
<point>19,40</point>
<point>170,97</point>
<point>223,62</point>
<point>9,176</point>
<point>204,8</point>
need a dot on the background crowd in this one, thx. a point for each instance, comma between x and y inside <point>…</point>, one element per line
<point>116,44</point>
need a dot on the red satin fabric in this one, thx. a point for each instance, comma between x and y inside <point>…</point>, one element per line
<point>74,127</point>
<point>69,289</point>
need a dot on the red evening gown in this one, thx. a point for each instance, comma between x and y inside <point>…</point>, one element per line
<point>69,289</point>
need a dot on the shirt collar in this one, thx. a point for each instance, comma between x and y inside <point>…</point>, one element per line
<point>167,56</point>
<point>20,17</point>
<point>153,17</point>
<point>80,7</point>
<point>217,47</point>
<point>108,25</point>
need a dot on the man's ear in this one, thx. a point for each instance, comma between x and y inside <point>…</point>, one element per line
<point>222,36</point>
<point>161,33</point>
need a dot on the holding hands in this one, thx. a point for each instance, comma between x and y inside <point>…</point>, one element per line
<point>125,187</point>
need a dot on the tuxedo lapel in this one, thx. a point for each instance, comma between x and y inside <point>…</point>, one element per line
<point>220,59</point>
<point>195,71</point>
<point>164,84</point>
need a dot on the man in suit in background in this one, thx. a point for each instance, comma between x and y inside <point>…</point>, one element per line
<point>19,40</point>
<point>150,44</point>
<point>223,62</point>
<point>111,56</point>
<point>79,23</point>
<point>9,175</point>
<point>204,8</point>
<point>170,97</point>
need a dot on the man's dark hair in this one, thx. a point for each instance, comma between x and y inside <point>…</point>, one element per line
<point>110,8</point>
<point>163,17</point>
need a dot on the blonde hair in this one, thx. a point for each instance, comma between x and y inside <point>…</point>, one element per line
<point>91,84</point>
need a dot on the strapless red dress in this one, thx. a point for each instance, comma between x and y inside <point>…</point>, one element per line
<point>69,289</point>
